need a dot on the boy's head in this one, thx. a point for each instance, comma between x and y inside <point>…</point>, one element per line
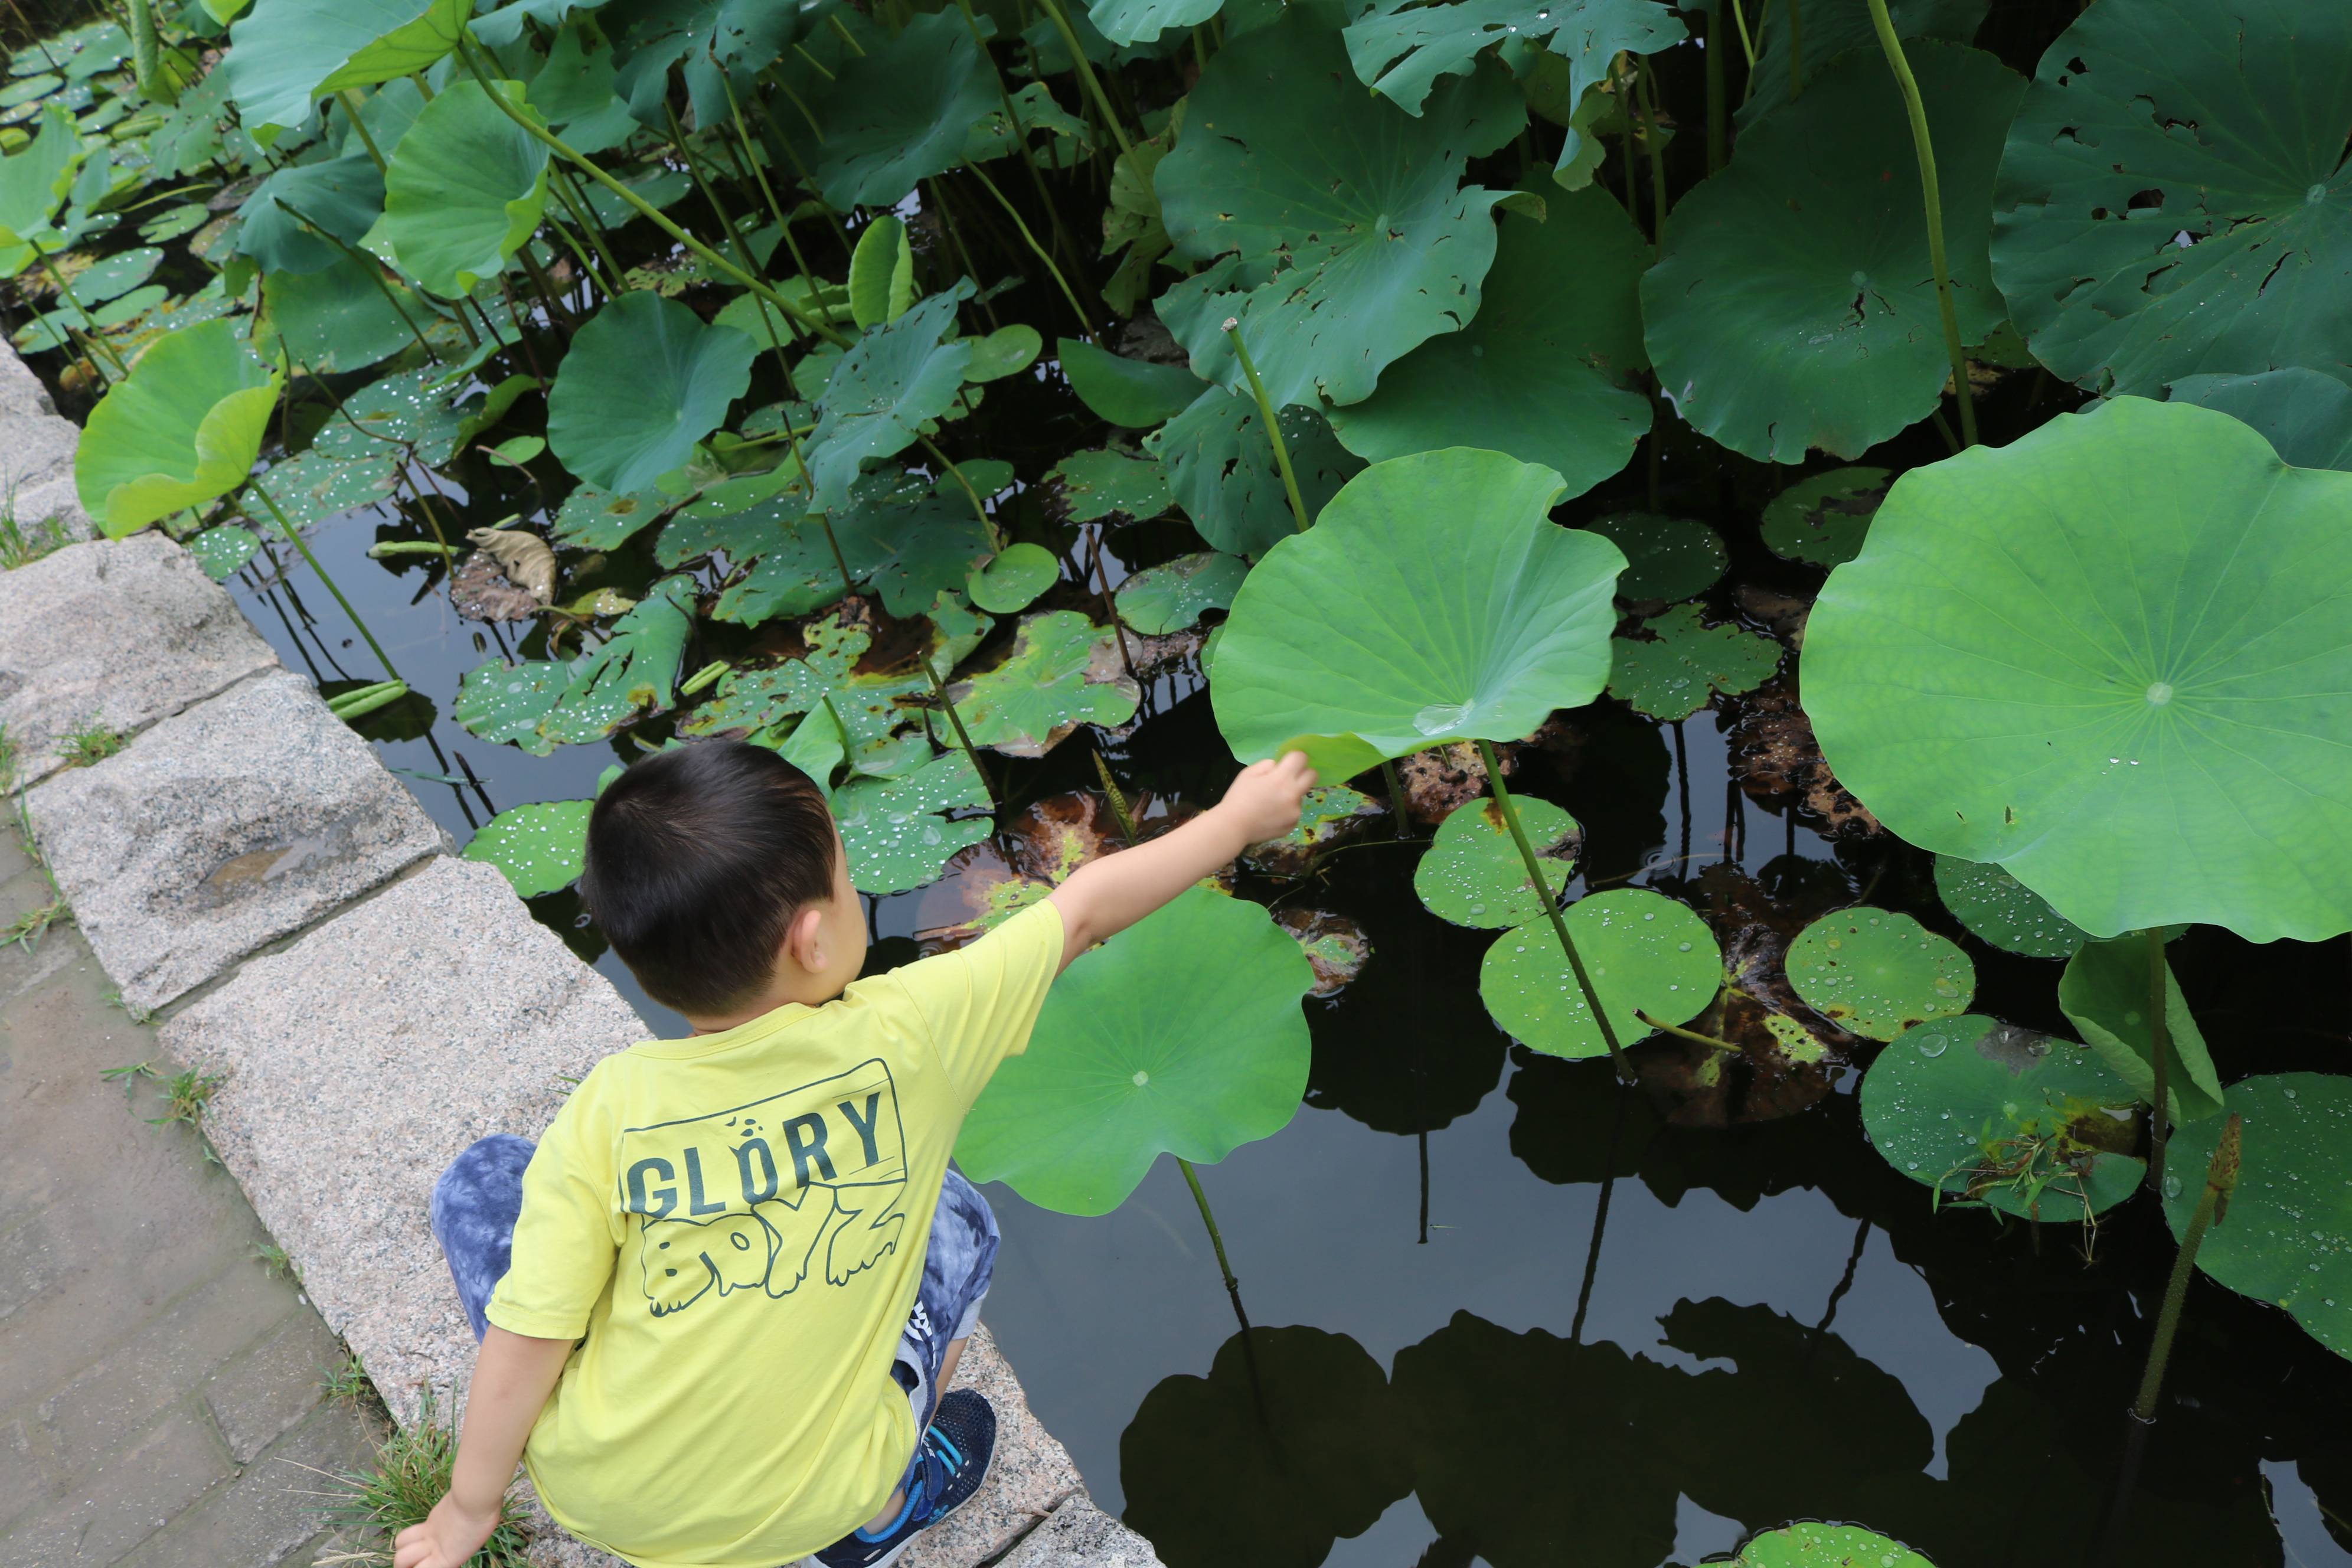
<point>717,874</point>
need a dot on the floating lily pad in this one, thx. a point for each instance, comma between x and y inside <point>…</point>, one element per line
<point>592,519</point>
<point>1825,518</point>
<point>1013,579</point>
<point>1470,873</point>
<point>645,380</point>
<point>630,673</point>
<point>464,189</point>
<point>900,112</point>
<point>1807,1544</point>
<point>174,222</point>
<point>1173,595</point>
<point>1672,675</point>
<point>1133,392</point>
<point>2105,994</point>
<point>2004,911</point>
<point>895,831</point>
<point>222,551</point>
<point>28,88</point>
<point>311,489</point>
<point>895,379</point>
<point>55,330</point>
<point>1511,613</point>
<point>2116,656</point>
<point>1794,306</point>
<point>757,699</point>
<point>1987,1112</point>
<point>408,408</point>
<point>1005,352</point>
<point>339,319</point>
<point>1544,371</point>
<point>541,847</point>
<point>1114,1074</point>
<point>182,429</point>
<point>1222,472</point>
<point>504,703</point>
<point>115,275</point>
<point>2304,414</point>
<point>2159,214</point>
<point>1063,671</point>
<point>1099,484</point>
<point>1666,557</point>
<point>1328,816</point>
<point>2287,1238</point>
<point>1879,972</point>
<point>290,52</point>
<point>1645,952</point>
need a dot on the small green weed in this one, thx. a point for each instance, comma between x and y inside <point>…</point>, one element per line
<point>94,742</point>
<point>410,1475</point>
<point>27,929</point>
<point>273,1260</point>
<point>185,1094</point>
<point>347,1383</point>
<point>22,544</point>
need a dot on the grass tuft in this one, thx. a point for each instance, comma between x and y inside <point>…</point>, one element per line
<point>94,742</point>
<point>411,1473</point>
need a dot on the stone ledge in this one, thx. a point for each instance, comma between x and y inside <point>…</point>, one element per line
<point>118,633</point>
<point>1080,1535</point>
<point>237,822</point>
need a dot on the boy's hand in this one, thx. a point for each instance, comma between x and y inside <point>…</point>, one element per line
<point>1264,801</point>
<point>448,1537</point>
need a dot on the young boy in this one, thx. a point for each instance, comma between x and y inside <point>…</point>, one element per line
<point>741,1271</point>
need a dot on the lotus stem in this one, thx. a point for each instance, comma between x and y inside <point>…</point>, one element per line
<point>95,344</point>
<point>1797,49</point>
<point>1621,80</point>
<point>300,544</point>
<point>359,704</point>
<point>351,102</point>
<point>955,722</point>
<point>644,208</point>
<point>750,158</point>
<point>1654,145</point>
<point>2160,1116</point>
<point>979,507</point>
<point>1718,93</point>
<point>1216,1240</point>
<point>703,677</point>
<point>575,203</point>
<point>1086,324</point>
<point>1551,909</point>
<point>709,190</point>
<point>2212,1203</point>
<point>1931,192</point>
<point>1020,139</point>
<point>1086,72</point>
<point>1273,425</point>
<point>1682,1033</point>
<point>396,547</point>
<point>1401,822</point>
<point>1747,44</point>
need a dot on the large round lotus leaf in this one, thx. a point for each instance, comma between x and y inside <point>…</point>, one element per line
<point>1220,468</point>
<point>1433,601</point>
<point>541,847</point>
<point>1794,306</point>
<point>1646,954</point>
<point>285,53</point>
<point>2287,1237</point>
<point>2105,994</point>
<point>592,519</point>
<point>340,319</point>
<point>465,190</point>
<point>344,196</point>
<point>182,428</point>
<point>895,379</point>
<point>1351,238</point>
<point>502,702</point>
<point>1171,596</point>
<point>1291,1442</point>
<point>1682,665</point>
<point>1832,27</point>
<point>1987,1112</point>
<point>1541,373</point>
<point>2116,656</point>
<point>900,112</point>
<point>643,382</point>
<point>896,832</point>
<point>1879,972</point>
<point>2175,199</point>
<point>34,180</point>
<point>1807,1544</point>
<point>1106,483</point>
<point>1666,557</point>
<point>1134,393</point>
<point>115,276</point>
<point>1472,874</point>
<point>311,488</point>
<point>411,408</point>
<point>1130,1059</point>
<point>1063,671</point>
<point>2305,416</point>
<point>2003,910</point>
<point>1825,518</point>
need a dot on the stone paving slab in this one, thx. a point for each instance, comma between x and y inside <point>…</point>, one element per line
<point>1080,1535</point>
<point>245,818</point>
<point>35,448</point>
<point>357,1063</point>
<point>116,633</point>
<point>56,502</point>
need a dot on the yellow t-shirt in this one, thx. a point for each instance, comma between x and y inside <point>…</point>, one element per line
<point>736,1224</point>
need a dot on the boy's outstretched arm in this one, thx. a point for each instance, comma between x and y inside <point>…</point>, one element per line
<point>513,1375</point>
<point>1105,897</point>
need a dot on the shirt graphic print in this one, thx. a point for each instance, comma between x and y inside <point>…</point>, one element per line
<point>756,1201</point>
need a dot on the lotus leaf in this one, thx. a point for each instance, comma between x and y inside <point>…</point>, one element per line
<point>408,409</point>
<point>900,112</point>
<point>2304,416</point>
<point>1684,663</point>
<point>34,181</point>
<point>1489,615</point>
<point>2003,910</point>
<point>222,551</point>
<point>894,830</point>
<point>311,488</point>
<point>575,89</point>
<point>1667,557</point>
<point>1987,1112</point>
<point>1542,372</point>
<point>1008,350</point>
<point>344,196</point>
<point>1069,138</point>
<point>592,519</point>
<point>1114,1074</point>
<point>503,702</point>
<point>2105,994</point>
<point>657,188</point>
<point>338,319</point>
<point>1063,671</point>
<point>1170,597</point>
<point>1291,1441</point>
<point>896,378</point>
<point>55,328</point>
<point>174,222</point>
<point>1472,874</point>
<point>2174,198</point>
<point>464,189</point>
<point>1794,306</point>
<point>757,699</point>
<point>1833,26</point>
<point>719,43</point>
<point>881,273</point>
<point>1646,954</point>
<point>631,672</point>
<point>644,380</point>
<point>114,276</point>
<point>1351,239</point>
<point>1134,393</point>
<point>1222,472</point>
<point>541,847</point>
<point>1012,578</point>
<point>2114,656</point>
<point>1825,518</point>
<point>1101,484</point>
<point>287,53</point>
<point>1808,1544</point>
<point>1142,21</point>
<point>2287,1237</point>
<point>1878,972</point>
<point>182,429</point>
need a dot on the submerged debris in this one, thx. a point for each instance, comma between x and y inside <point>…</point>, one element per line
<point>1775,756</point>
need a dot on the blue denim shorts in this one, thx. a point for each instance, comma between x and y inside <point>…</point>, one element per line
<point>479,1197</point>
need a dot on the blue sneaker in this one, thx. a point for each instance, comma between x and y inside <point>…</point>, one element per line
<point>955,1453</point>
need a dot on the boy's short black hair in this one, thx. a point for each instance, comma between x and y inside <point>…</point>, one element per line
<point>698,859</point>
